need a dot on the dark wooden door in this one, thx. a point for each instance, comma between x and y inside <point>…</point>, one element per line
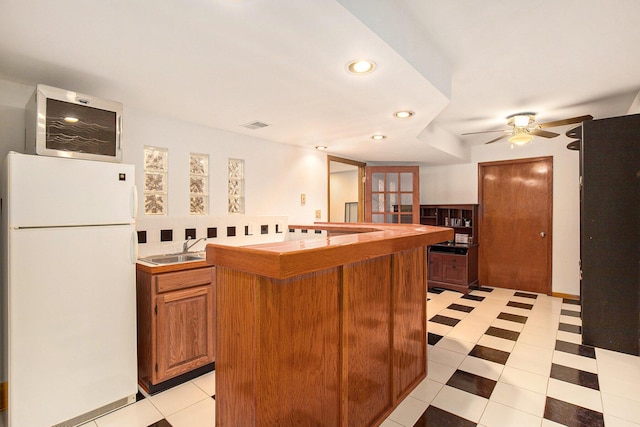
<point>392,194</point>
<point>516,199</point>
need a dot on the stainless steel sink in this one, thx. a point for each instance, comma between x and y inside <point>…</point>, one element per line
<point>174,258</point>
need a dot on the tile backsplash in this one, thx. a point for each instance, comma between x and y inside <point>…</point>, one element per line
<point>163,235</point>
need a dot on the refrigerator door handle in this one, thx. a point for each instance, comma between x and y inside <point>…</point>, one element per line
<point>134,247</point>
<point>134,202</point>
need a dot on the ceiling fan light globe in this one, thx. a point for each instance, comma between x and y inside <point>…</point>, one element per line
<point>520,138</point>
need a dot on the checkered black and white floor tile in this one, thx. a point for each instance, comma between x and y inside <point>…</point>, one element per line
<point>499,357</point>
<point>496,358</point>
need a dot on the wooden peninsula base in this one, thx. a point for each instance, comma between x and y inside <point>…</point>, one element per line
<point>324,332</point>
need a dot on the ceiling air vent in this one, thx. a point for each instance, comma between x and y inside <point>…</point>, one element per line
<point>255,125</point>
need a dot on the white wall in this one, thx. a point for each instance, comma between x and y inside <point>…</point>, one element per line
<point>459,184</point>
<point>446,185</point>
<point>13,98</point>
<point>275,174</point>
<point>344,189</point>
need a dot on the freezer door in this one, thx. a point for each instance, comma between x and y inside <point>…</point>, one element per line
<point>53,191</point>
<point>72,322</point>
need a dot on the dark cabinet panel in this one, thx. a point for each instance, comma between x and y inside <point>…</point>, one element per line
<point>610,233</point>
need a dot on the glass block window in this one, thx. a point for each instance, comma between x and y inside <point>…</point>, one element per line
<point>236,186</point>
<point>156,167</point>
<point>198,184</point>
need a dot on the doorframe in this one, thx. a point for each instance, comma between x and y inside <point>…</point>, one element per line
<point>361,168</point>
<point>549,240</point>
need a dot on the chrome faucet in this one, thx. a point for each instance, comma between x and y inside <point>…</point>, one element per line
<point>186,246</point>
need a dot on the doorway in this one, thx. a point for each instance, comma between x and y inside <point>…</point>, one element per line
<point>515,223</point>
<point>345,189</point>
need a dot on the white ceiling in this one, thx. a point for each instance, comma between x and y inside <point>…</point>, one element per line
<point>461,65</point>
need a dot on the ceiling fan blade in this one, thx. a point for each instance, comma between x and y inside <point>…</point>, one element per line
<point>570,121</point>
<point>497,139</point>
<point>543,133</point>
<point>485,131</point>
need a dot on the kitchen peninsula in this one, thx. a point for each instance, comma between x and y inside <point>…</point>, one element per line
<point>328,331</point>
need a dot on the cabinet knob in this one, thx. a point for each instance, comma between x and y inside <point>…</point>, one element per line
<point>542,234</point>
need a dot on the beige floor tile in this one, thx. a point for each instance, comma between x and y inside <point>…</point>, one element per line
<point>498,415</point>
<point>408,411</point>
<point>177,398</point>
<point>139,414</point>
<point>572,393</point>
<point>206,383</point>
<point>426,390</point>
<point>482,367</point>
<point>523,379</point>
<point>531,359</point>
<point>620,407</point>
<point>461,403</point>
<point>200,414</point>
<point>569,337</point>
<point>519,398</point>
<point>439,372</point>
<point>458,346</point>
<point>497,343</point>
<point>575,361</point>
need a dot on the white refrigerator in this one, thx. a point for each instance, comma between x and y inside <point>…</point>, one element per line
<point>68,289</point>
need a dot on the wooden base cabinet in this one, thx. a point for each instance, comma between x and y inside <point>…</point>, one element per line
<point>176,324</point>
<point>453,267</point>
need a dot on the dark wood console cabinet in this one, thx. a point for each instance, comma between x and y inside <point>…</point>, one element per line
<point>453,266</point>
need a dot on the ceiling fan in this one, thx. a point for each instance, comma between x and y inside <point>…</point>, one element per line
<point>523,128</point>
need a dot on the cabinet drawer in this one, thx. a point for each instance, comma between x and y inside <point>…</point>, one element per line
<point>460,261</point>
<point>183,279</point>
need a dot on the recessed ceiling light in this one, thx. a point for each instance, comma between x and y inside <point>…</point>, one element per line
<point>321,147</point>
<point>403,114</point>
<point>378,137</point>
<point>361,66</point>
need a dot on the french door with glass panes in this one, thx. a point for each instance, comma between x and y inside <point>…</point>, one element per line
<point>392,194</point>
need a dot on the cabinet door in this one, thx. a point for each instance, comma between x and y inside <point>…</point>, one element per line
<point>454,269</point>
<point>392,194</point>
<point>435,266</point>
<point>185,331</point>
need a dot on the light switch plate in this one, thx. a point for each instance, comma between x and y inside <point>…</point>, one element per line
<point>303,199</point>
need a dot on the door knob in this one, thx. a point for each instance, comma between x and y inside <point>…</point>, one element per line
<point>542,234</point>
